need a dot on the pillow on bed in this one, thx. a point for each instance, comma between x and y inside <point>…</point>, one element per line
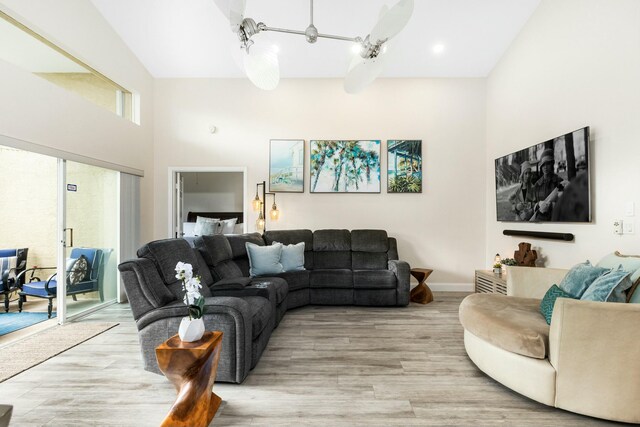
<point>207,226</point>
<point>228,225</point>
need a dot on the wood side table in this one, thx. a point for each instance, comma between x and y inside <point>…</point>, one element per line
<point>191,367</point>
<point>421,293</point>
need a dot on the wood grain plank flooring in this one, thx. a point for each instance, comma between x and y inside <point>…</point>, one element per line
<point>324,366</point>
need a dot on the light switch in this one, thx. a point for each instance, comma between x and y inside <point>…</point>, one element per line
<point>630,209</point>
<point>628,227</point>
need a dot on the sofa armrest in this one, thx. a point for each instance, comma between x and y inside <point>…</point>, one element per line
<point>402,270</point>
<point>532,282</point>
<point>594,348</point>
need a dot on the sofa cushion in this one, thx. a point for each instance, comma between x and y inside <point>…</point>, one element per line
<point>296,279</point>
<point>238,243</point>
<point>580,277</point>
<point>369,241</point>
<point>511,323</point>
<point>378,279</point>
<point>369,261</point>
<point>165,254</point>
<point>334,278</point>
<point>549,301</point>
<point>279,285</point>
<point>214,249</point>
<point>261,312</point>
<point>331,260</point>
<point>292,258</point>
<point>289,237</point>
<point>610,287</point>
<point>331,240</point>
<point>630,263</point>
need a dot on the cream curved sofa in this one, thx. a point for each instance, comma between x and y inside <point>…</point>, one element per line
<point>587,361</point>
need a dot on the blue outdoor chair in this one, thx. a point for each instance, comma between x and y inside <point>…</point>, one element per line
<point>12,263</point>
<point>84,273</point>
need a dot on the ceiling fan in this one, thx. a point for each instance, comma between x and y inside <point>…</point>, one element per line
<point>260,60</point>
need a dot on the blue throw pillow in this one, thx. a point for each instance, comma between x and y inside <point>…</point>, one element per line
<point>609,287</point>
<point>292,258</point>
<point>264,260</point>
<point>580,277</point>
<point>549,300</point>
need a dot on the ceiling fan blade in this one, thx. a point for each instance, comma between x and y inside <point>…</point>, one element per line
<point>392,22</point>
<point>363,71</point>
<point>233,10</point>
<point>262,66</point>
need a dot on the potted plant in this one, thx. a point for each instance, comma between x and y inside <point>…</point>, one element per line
<point>192,326</point>
<point>497,268</point>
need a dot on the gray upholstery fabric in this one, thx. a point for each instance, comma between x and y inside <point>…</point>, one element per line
<point>331,296</point>
<point>206,279</point>
<point>324,260</point>
<point>165,254</point>
<point>331,240</point>
<point>402,271</point>
<point>226,270</point>
<point>258,345</point>
<point>374,297</point>
<point>279,284</point>
<point>296,279</point>
<point>214,249</point>
<point>369,260</point>
<point>261,314</point>
<point>191,240</point>
<point>337,278</point>
<point>281,310</point>
<point>289,237</point>
<point>144,286</point>
<point>243,265</point>
<point>393,249</point>
<point>378,279</point>
<point>237,242</point>
<point>298,298</point>
<point>232,283</point>
<point>369,241</point>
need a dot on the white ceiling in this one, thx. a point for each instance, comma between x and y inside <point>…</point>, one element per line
<point>192,38</point>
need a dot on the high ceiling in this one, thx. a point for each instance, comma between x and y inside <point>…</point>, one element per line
<point>192,38</point>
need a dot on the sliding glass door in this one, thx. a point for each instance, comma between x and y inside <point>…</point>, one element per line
<point>90,237</point>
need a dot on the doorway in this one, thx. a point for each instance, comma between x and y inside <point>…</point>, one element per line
<point>216,192</point>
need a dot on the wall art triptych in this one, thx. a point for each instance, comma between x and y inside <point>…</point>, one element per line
<point>345,166</point>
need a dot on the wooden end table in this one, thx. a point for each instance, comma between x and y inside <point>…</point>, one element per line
<point>421,293</point>
<point>191,367</point>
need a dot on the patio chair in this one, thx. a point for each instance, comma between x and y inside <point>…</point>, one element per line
<point>12,263</point>
<point>83,275</point>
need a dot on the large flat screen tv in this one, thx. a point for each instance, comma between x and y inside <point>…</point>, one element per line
<point>547,182</point>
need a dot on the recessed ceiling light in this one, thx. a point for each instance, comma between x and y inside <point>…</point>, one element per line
<point>439,48</point>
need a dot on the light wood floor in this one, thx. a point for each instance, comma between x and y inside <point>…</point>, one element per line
<point>324,366</point>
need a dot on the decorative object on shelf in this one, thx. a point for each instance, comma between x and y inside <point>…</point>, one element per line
<point>509,262</point>
<point>191,327</point>
<point>259,206</point>
<point>286,165</point>
<point>525,256</point>
<point>260,59</point>
<point>497,268</point>
<point>547,182</point>
<point>192,368</point>
<point>421,293</point>
<point>404,166</point>
<point>345,166</point>
<point>497,259</point>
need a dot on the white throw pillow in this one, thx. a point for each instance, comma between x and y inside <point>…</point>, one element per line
<point>264,260</point>
<point>228,225</point>
<point>292,258</point>
<point>207,226</point>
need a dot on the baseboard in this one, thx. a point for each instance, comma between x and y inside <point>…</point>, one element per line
<point>451,287</point>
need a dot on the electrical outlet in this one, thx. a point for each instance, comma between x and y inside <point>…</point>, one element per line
<point>627,226</point>
<point>617,226</point>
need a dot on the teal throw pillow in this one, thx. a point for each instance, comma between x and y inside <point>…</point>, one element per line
<point>609,287</point>
<point>292,258</point>
<point>549,300</point>
<point>264,260</point>
<point>580,277</point>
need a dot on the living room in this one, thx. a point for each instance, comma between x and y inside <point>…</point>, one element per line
<point>570,64</point>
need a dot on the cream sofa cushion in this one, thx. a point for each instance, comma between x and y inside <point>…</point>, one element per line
<point>511,323</point>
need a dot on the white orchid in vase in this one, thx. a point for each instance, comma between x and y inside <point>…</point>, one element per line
<point>191,328</point>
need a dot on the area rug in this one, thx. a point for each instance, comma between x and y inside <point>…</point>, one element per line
<point>11,322</point>
<point>31,351</point>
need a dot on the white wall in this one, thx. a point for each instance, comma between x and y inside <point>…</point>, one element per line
<point>36,111</point>
<point>575,64</point>
<point>442,228</point>
<point>212,192</point>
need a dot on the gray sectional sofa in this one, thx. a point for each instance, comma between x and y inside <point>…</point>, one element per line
<point>342,267</point>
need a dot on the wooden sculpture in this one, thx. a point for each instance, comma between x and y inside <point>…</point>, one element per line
<point>191,367</point>
<point>524,256</point>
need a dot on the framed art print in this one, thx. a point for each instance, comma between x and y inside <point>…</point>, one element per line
<point>404,166</point>
<point>338,166</point>
<point>286,166</point>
